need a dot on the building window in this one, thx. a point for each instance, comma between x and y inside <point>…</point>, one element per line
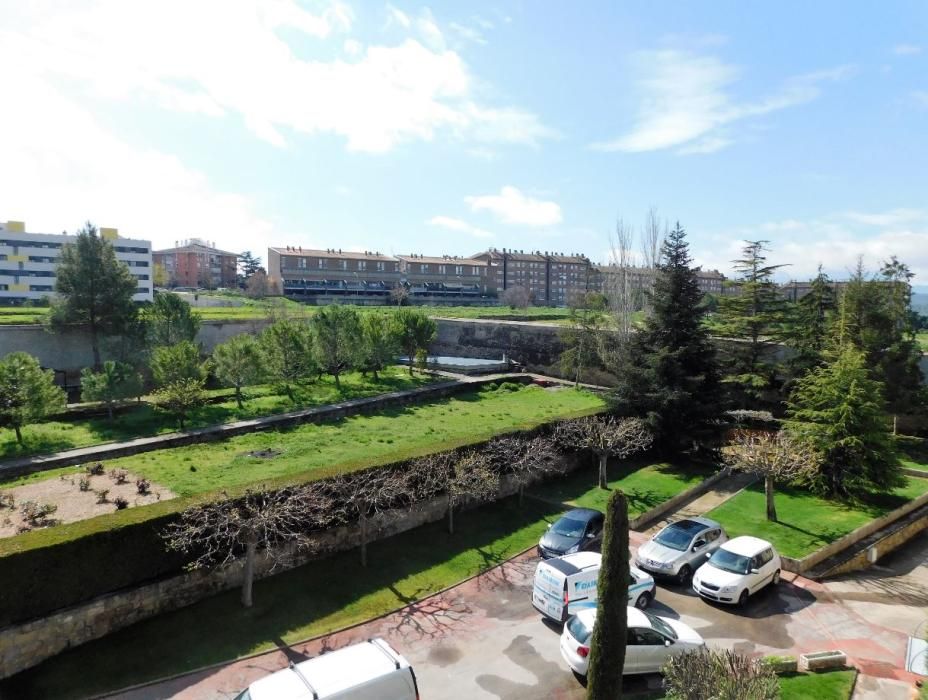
<point>322,263</point>
<point>343,264</point>
<point>475,271</point>
<point>301,263</point>
<point>380,266</point>
<point>442,269</point>
<point>423,268</point>
<point>459,269</point>
<point>362,264</point>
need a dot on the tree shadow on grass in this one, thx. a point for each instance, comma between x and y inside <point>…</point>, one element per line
<point>34,444</point>
<point>310,600</point>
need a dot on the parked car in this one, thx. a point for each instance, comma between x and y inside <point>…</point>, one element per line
<point>651,640</point>
<point>578,529</point>
<point>371,670</point>
<point>737,569</point>
<point>680,548</point>
<point>565,585</point>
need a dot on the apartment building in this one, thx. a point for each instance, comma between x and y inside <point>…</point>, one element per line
<point>553,279</point>
<point>443,275</point>
<point>640,278</point>
<point>198,263</point>
<point>306,271</point>
<point>28,262</point>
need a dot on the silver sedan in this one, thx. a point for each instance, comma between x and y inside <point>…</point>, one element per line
<point>681,548</point>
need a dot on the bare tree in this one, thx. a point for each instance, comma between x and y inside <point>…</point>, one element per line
<point>467,477</point>
<point>216,532</point>
<point>517,297</point>
<point>399,294</point>
<point>605,437</point>
<point>774,456</point>
<point>525,459</point>
<point>724,675</point>
<point>621,260</point>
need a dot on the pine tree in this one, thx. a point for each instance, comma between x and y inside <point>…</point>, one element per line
<point>838,410</point>
<point>810,325</point>
<point>94,290</point>
<point>754,318</point>
<point>338,342</point>
<point>27,392</point>
<point>238,362</point>
<point>667,371</point>
<point>607,646</point>
<point>171,320</point>
<point>114,382</point>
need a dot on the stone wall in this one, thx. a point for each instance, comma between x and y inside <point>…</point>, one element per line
<point>26,645</point>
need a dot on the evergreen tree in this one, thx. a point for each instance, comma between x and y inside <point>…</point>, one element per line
<point>248,264</point>
<point>173,363</point>
<point>415,331</point>
<point>114,382</point>
<point>755,318</point>
<point>171,320</point>
<point>607,645</point>
<point>337,340</point>
<point>667,371</point>
<point>381,344</point>
<point>810,326</point>
<point>94,290</point>
<point>27,392</point>
<point>838,410</point>
<point>288,352</point>
<point>181,397</point>
<point>238,362</point>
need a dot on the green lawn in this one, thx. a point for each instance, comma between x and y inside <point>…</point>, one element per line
<point>807,522</point>
<point>913,452</point>
<point>291,606</point>
<point>644,486</point>
<point>359,441</point>
<point>831,685</point>
<point>146,420</point>
<point>922,338</point>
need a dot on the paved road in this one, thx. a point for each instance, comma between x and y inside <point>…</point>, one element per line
<point>483,639</point>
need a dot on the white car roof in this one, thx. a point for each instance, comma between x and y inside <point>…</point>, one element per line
<point>584,560</point>
<point>636,618</point>
<point>329,673</point>
<point>746,545</point>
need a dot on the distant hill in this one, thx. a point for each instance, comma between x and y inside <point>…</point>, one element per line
<point>920,302</point>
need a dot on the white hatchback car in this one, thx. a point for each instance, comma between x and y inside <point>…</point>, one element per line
<point>651,641</point>
<point>738,569</point>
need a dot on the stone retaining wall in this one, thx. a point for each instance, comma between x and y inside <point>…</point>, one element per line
<point>26,645</point>
<point>25,465</point>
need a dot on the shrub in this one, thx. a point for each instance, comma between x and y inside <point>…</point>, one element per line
<point>102,495</point>
<point>7,500</point>
<point>37,513</point>
<point>722,675</point>
<point>84,483</point>
<point>120,476</point>
<point>143,486</point>
<point>95,469</point>
<point>121,502</point>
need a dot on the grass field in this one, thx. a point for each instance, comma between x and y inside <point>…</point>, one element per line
<point>644,486</point>
<point>922,338</point>
<point>806,522</point>
<point>913,452</point>
<point>831,685</point>
<point>358,441</point>
<point>146,420</point>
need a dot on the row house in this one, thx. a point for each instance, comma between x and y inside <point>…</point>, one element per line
<point>552,279</point>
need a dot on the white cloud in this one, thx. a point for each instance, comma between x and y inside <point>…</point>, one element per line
<point>907,50</point>
<point>835,240</point>
<point>395,15</point>
<point>921,97</point>
<point>686,98</point>
<point>458,225</point>
<point>512,207</point>
<point>217,58</point>
<point>467,33</point>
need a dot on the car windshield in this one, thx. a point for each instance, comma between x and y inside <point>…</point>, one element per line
<point>244,695</point>
<point>578,630</point>
<point>674,537</point>
<point>568,527</point>
<point>729,561</point>
<point>661,626</point>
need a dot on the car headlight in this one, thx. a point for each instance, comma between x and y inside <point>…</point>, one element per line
<point>729,589</point>
<point>572,550</point>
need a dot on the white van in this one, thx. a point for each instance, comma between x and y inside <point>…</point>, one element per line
<point>566,585</point>
<point>371,670</point>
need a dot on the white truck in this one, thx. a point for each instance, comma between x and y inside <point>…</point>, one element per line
<point>371,670</point>
<point>565,585</point>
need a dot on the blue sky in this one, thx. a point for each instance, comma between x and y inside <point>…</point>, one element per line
<point>452,127</point>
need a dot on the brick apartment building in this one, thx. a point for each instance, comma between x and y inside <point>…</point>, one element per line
<point>198,263</point>
<point>552,279</point>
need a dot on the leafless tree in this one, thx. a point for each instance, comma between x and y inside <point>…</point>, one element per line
<point>774,456</point>
<point>467,477</point>
<point>622,259</point>
<point>517,297</point>
<point>399,294</point>
<point>216,533</point>
<point>525,459</point>
<point>723,675</point>
<point>605,436</point>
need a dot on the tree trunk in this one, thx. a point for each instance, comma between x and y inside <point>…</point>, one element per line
<point>248,578</point>
<point>363,522</point>
<point>768,492</point>
<point>238,397</point>
<point>289,390</point>
<point>338,384</point>
<point>95,346</point>
<point>450,517</point>
<point>19,435</point>
<point>603,459</point>
<point>180,420</point>
<point>376,378</point>
<point>895,423</point>
<point>109,411</point>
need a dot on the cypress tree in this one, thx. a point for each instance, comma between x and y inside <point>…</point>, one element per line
<point>607,647</point>
<point>667,371</point>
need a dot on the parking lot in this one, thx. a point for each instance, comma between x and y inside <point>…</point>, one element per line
<point>483,639</point>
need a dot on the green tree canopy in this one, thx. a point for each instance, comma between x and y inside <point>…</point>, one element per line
<point>380,342</point>
<point>173,363</point>
<point>181,397</point>
<point>239,362</point>
<point>248,264</point>
<point>171,320</point>
<point>94,289</point>
<point>581,338</point>
<point>810,325</point>
<point>337,339</point>
<point>288,353</point>
<point>755,317</point>
<point>838,410</point>
<point>415,332</point>
<point>27,392</point>
<point>667,371</point>
<point>114,382</point>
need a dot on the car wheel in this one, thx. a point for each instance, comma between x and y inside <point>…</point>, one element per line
<point>776,578</point>
<point>743,598</point>
<point>684,575</point>
<point>643,600</point>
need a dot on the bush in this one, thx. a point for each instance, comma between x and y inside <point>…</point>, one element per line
<point>143,486</point>
<point>84,483</point>
<point>121,502</point>
<point>120,476</point>
<point>721,675</point>
<point>102,495</point>
<point>95,469</point>
<point>36,513</point>
<point>7,500</point>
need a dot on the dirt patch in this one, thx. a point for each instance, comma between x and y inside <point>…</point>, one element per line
<point>268,453</point>
<point>72,503</point>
